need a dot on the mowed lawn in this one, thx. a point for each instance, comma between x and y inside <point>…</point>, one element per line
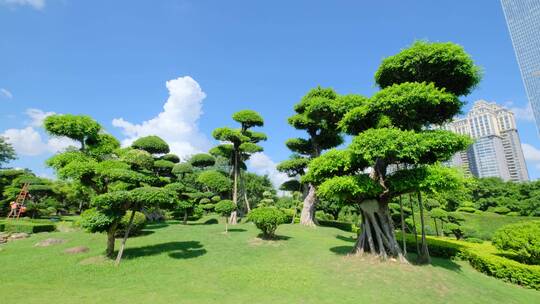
<point>197,263</point>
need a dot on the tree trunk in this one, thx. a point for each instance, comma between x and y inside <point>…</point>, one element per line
<point>436,227</point>
<point>233,219</point>
<point>423,255</point>
<point>404,241</point>
<point>248,207</point>
<point>377,236</point>
<point>185,216</point>
<point>307,217</point>
<point>226,226</point>
<point>111,239</point>
<point>126,234</point>
<point>414,224</point>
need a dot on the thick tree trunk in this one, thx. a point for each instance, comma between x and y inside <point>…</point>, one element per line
<point>111,239</point>
<point>404,241</point>
<point>414,224</point>
<point>377,236</point>
<point>248,207</point>
<point>126,235</point>
<point>436,227</point>
<point>423,255</point>
<point>307,217</point>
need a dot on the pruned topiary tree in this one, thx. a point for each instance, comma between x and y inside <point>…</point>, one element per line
<point>394,151</point>
<point>238,145</point>
<point>225,208</point>
<point>267,219</point>
<point>318,113</point>
<point>152,144</point>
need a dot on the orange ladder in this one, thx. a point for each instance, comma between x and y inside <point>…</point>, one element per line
<point>19,202</point>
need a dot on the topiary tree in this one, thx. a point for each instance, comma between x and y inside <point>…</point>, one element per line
<point>238,145</point>
<point>393,151</point>
<point>267,219</point>
<point>214,181</point>
<point>268,199</point>
<point>523,239</point>
<point>438,214</point>
<point>151,144</point>
<point>7,153</point>
<point>171,157</point>
<point>180,170</point>
<point>318,113</point>
<point>225,208</point>
<point>80,128</point>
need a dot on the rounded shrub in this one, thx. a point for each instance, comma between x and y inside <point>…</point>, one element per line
<point>289,214</point>
<point>466,209</point>
<point>202,160</point>
<point>182,169</point>
<point>501,210</point>
<point>267,219</point>
<point>521,238</point>
<point>139,222</point>
<point>321,215</point>
<point>151,144</point>
<point>225,207</point>
<point>171,157</point>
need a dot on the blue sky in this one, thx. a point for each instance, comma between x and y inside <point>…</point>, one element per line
<point>112,60</point>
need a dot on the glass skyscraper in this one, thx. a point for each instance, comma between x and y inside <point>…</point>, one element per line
<point>523,20</point>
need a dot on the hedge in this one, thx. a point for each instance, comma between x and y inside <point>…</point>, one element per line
<point>27,227</point>
<point>482,257</point>
<point>339,225</point>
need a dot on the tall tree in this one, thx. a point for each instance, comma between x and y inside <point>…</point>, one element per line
<point>394,151</point>
<point>318,113</point>
<point>238,145</point>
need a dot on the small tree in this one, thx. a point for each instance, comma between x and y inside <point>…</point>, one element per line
<point>438,214</point>
<point>225,208</point>
<point>7,152</point>
<point>318,113</point>
<point>151,144</point>
<point>238,145</point>
<point>267,219</point>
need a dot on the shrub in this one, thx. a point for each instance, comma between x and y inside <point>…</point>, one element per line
<point>27,226</point>
<point>2,227</point>
<point>94,221</point>
<point>208,207</point>
<point>521,238</point>
<point>474,240</point>
<point>267,219</point>
<point>466,209</point>
<point>345,226</point>
<point>288,213</point>
<point>321,215</point>
<point>513,213</point>
<point>151,144</point>
<point>171,157</point>
<point>501,210</point>
<point>139,222</point>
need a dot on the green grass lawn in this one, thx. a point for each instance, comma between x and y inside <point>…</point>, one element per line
<point>196,263</point>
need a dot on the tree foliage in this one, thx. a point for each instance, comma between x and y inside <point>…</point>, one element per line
<point>152,144</point>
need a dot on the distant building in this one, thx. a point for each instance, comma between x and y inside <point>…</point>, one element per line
<point>523,20</point>
<point>497,149</point>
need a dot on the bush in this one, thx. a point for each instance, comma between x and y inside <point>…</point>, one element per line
<point>2,227</point>
<point>523,239</point>
<point>27,226</point>
<point>513,213</point>
<point>321,215</point>
<point>139,222</point>
<point>345,226</point>
<point>94,221</point>
<point>474,240</point>
<point>289,214</point>
<point>501,210</point>
<point>466,209</point>
<point>267,219</point>
<point>151,144</point>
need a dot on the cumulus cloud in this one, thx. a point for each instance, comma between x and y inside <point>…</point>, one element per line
<point>521,113</point>
<point>177,123</point>
<point>261,163</point>
<point>5,93</point>
<point>29,141</point>
<point>35,4</point>
<point>531,154</point>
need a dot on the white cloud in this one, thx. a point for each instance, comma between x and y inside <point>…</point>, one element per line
<point>261,163</point>
<point>531,153</point>
<point>523,113</point>
<point>28,140</point>
<point>7,94</point>
<point>36,4</point>
<point>177,124</point>
<point>37,117</point>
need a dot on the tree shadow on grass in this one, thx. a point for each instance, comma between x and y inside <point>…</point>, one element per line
<point>341,250</point>
<point>211,221</point>
<point>236,230</point>
<point>274,238</point>
<point>157,225</point>
<point>175,250</point>
<point>351,239</point>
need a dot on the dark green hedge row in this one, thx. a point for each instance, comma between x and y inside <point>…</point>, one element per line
<point>339,225</point>
<point>483,258</point>
<point>27,227</point>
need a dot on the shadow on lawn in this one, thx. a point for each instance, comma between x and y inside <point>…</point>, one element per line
<point>175,250</point>
<point>236,230</point>
<point>274,238</point>
<point>211,221</point>
<point>351,239</point>
<point>157,225</point>
<point>411,257</point>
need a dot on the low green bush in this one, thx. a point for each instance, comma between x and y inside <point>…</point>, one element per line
<point>339,225</point>
<point>523,239</point>
<point>474,240</point>
<point>289,214</point>
<point>267,219</point>
<point>2,227</point>
<point>139,222</point>
<point>321,215</point>
<point>513,213</point>
<point>28,226</point>
<point>501,210</point>
<point>466,209</point>
<point>94,221</point>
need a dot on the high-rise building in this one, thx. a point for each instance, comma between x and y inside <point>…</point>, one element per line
<point>497,149</point>
<point>523,20</point>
